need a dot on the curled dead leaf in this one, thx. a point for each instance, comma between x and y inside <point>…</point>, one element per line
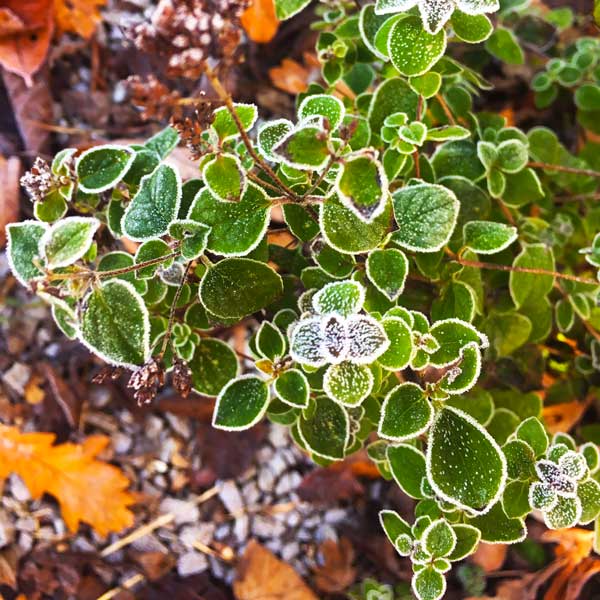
<point>564,416</point>
<point>260,22</point>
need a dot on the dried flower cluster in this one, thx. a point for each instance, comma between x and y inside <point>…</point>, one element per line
<point>188,33</point>
<point>146,380</point>
<point>40,180</point>
<point>154,99</point>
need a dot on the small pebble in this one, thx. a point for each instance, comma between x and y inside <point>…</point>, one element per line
<point>183,511</point>
<point>191,563</point>
<point>231,497</point>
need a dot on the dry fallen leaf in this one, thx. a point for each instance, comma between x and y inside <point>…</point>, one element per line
<point>10,171</point>
<point>86,488</point>
<point>290,76</point>
<point>25,32</point>
<point>563,416</point>
<point>262,576</point>
<point>260,22</point>
<point>490,557</point>
<point>79,16</point>
<point>335,573</point>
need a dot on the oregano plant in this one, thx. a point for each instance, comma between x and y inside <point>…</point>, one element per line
<point>438,273</point>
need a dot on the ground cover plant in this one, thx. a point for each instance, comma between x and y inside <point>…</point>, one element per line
<point>443,262</point>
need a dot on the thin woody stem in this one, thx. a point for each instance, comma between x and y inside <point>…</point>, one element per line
<point>574,170</point>
<point>494,267</point>
<point>226,98</point>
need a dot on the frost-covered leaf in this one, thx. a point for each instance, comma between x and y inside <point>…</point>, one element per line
<point>497,528</point>
<point>306,345</point>
<point>23,249</point>
<point>236,287</point>
<point>304,148</point>
<point>488,237</point>
<point>115,324</point>
<point>503,44</point>
<point>512,156</point>
<point>347,383</point>
<point>213,365</point>
<point>339,297</point>
<point>591,453</point>
<point>368,24</point>
<point>573,465</point>
<point>467,539</point>
<point>362,186</point>
<point>531,287</point>
<point>192,235</point>
<point>68,240</point>
<point>121,263</point>
<point>465,465</point>
<point>293,388</point>
<point>565,513</point>
<point>428,584</point>
<point>326,429</point>
<point>588,493</point>
<point>406,413</point>
<point>471,28</point>
<point>270,133</point>
<point>286,9</point>
<point>101,168</point>
<point>542,496</point>
<point>452,335</point>
<point>461,377</point>
<point>346,232</point>
<point>225,125</point>
<point>407,465</point>
<point>520,459</point>
<point>154,206</point>
<point>457,299</point>
<point>163,142</point>
<point>334,335</point>
<point>367,339</point>
<point>225,177</point>
<point>241,403</point>
<point>236,227</point>
<point>387,269</point>
<point>400,350</point>
<point>269,341</point>
<point>393,525</point>
<point>515,499</point>
<point>439,538</point>
<point>553,475</point>
<point>392,96</point>
<point>426,216</point>
<point>322,105</point>
<point>412,50</point>
<point>151,250</point>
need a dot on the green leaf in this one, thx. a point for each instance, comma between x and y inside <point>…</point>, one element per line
<point>286,9</point>
<point>155,205</point>
<point>587,97</point>
<point>115,324</point>
<point>326,430</point>
<point>427,85</point>
<point>101,168</point>
<point>300,222</point>
<point>426,216</point>
<point>270,134</point>
<point>349,234</point>
<point>465,466</point>
<point>507,331</point>
<point>322,105</point>
<point>348,383</point>
<point>121,260</point>
<point>565,513</point>
<point>163,142</point>
<point>362,186</point>
<point>387,269</point>
<point>68,240</point>
<point>588,493</point>
<point>236,287</point>
<point>447,133</point>
<point>488,237</point>
<point>193,237</point>
<point>512,156</point>
<point>293,388</point>
<point>269,341</point>
<point>520,460</point>
<point>51,208</point>
<point>23,249</point>
<point>406,413</point>
<point>452,335</point>
<point>457,299</point>
<point>458,158</point>
<point>530,287</point>
<point>400,350</point>
<point>412,50</point>
<point>464,375</point>
<point>225,125</point>
<point>236,227</point>
<point>503,424</point>
<point>304,148</point>
<point>477,403</point>
<point>471,28</point>
<point>392,96</point>
<point>339,297</point>
<point>522,188</point>
<point>241,403</point>
<point>393,525</point>
<point>428,584</point>
<point>515,500</point>
<point>213,365</point>
<point>368,25</point>
<point>148,251</point>
<point>504,46</point>
<point>225,177</point>
<point>467,539</point>
<point>497,528</point>
<point>439,538</point>
<point>62,313</point>
<point>407,465</point>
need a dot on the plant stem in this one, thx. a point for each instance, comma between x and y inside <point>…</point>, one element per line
<point>446,109</point>
<point>494,267</point>
<point>574,170</point>
<point>226,98</point>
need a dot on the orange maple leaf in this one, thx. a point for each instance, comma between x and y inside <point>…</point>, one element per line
<point>260,22</point>
<point>78,16</point>
<point>86,488</point>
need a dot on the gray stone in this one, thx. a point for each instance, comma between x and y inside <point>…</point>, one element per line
<point>191,563</point>
<point>288,482</point>
<point>290,551</point>
<point>266,527</point>
<point>17,377</point>
<point>266,479</point>
<point>182,510</point>
<point>18,489</point>
<point>240,528</point>
<point>201,532</point>
<point>231,497</point>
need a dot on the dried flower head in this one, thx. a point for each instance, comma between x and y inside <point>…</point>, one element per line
<point>146,381</point>
<point>154,99</point>
<point>107,373</point>
<point>187,33</point>
<point>191,129</point>
<point>40,180</point>
<point>182,378</point>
